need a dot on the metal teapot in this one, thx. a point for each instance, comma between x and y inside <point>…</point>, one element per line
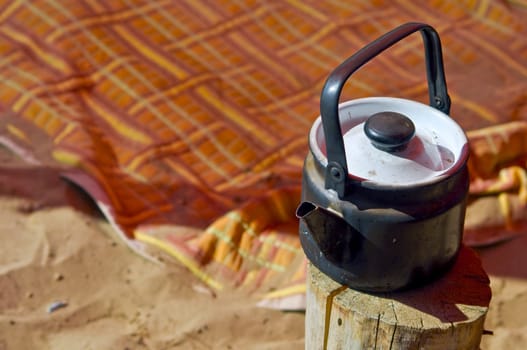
<point>385,182</point>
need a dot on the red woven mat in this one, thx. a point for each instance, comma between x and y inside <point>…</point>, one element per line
<point>187,120</point>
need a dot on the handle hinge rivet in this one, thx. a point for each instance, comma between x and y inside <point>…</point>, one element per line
<point>335,173</point>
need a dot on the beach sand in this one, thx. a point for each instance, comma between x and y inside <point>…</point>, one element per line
<point>58,251</point>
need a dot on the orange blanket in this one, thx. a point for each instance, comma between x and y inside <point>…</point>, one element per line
<point>187,120</point>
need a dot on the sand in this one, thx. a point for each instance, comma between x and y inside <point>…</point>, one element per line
<point>58,250</point>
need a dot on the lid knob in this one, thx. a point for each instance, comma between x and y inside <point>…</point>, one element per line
<point>389,131</point>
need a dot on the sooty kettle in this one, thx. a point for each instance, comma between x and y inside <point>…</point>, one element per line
<point>385,181</point>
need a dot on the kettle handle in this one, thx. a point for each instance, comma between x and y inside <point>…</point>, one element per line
<point>336,176</point>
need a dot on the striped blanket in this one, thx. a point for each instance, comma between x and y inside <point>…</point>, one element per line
<point>187,120</point>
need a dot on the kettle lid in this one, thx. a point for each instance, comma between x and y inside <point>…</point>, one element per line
<point>396,142</point>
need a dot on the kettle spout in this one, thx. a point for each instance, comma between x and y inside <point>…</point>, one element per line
<point>314,217</point>
<point>318,219</point>
<point>322,231</point>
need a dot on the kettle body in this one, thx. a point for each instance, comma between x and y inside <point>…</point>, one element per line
<point>381,209</point>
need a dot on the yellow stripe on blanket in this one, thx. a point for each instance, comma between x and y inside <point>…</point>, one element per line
<point>505,207</point>
<point>13,130</point>
<point>284,292</point>
<point>188,263</point>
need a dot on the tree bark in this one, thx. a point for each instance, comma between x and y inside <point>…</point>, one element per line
<point>447,313</point>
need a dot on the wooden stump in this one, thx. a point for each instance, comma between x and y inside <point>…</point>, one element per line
<point>447,313</point>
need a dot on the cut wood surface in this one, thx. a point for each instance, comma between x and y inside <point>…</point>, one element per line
<point>447,313</point>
